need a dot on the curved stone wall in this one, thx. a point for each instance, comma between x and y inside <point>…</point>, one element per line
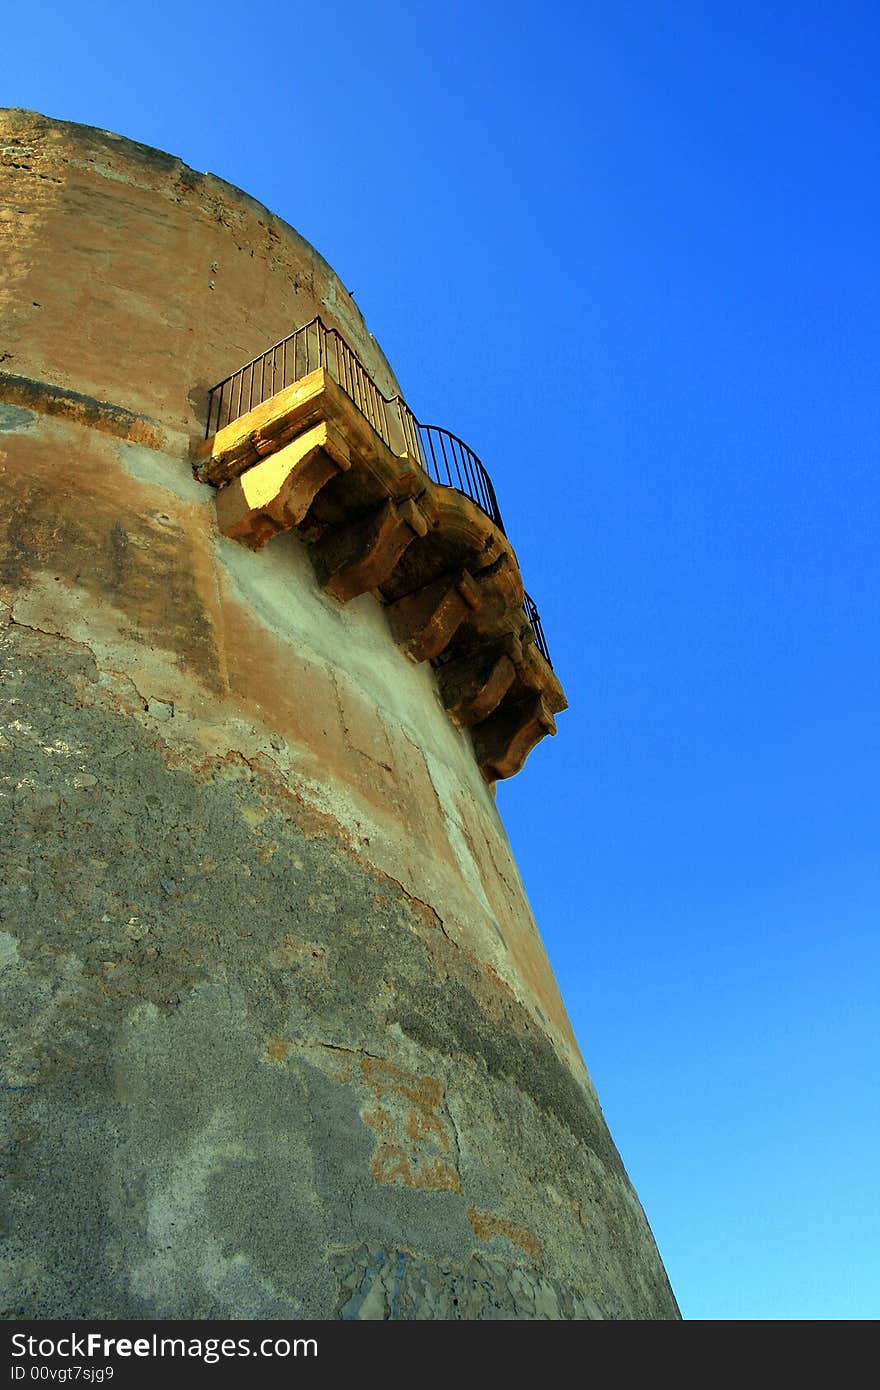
<point>284,1039</point>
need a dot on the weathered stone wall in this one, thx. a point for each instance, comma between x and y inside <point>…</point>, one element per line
<point>281,1036</point>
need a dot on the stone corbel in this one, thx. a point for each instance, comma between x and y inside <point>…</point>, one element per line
<point>474,684</point>
<point>360,555</point>
<point>504,740</point>
<point>425,622</point>
<point>275,495</point>
<point>501,596</point>
<point>535,674</point>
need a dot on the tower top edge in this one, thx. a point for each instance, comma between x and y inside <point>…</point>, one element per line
<point>15,123</point>
<point>150,156</point>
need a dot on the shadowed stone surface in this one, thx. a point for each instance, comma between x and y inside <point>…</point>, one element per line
<point>222,1017</point>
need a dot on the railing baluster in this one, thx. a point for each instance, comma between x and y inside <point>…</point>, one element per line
<point>445,459</point>
<point>472,476</point>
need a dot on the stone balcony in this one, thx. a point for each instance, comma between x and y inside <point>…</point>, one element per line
<point>308,458</point>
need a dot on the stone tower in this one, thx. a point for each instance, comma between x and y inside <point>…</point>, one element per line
<point>281,1039</point>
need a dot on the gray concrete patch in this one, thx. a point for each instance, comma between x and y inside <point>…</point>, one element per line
<point>244,1077</point>
<point>14,418</point>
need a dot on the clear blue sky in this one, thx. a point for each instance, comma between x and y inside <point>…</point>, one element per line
<point>629,252</point>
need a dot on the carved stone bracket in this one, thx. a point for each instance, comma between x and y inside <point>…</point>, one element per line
<point>504,740</point>
<point>275,494</point>
<point>425,622</point>
<point>359,556</point>
<point>474,684</point>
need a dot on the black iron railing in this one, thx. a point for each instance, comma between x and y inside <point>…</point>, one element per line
<point>530,608</point>
<point>449,460</point>
<point>303,351</point>
<point>443,456</point>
